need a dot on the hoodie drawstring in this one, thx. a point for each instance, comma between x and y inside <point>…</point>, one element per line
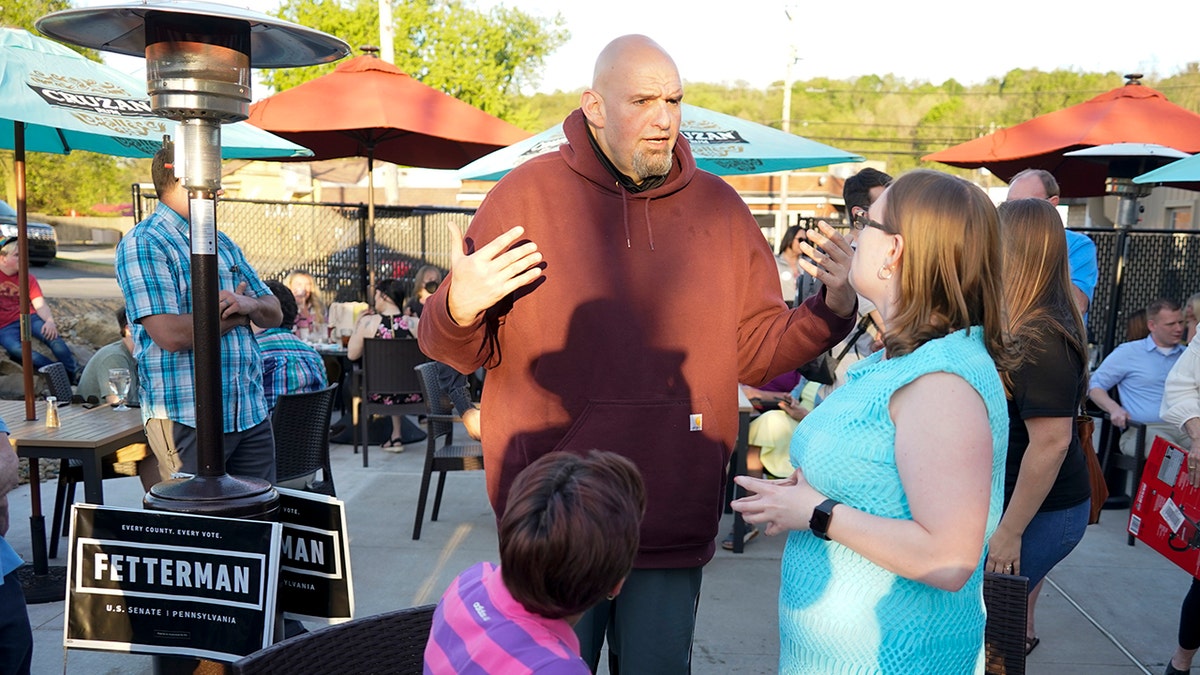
<point>625,214</point>
<point>649,228</point>
<point>625,219</point>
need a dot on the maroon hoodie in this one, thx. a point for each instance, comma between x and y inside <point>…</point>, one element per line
<point>651,309</point>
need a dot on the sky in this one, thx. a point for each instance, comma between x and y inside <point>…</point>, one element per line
<point>931,40</point>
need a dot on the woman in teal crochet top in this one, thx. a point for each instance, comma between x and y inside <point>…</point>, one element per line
<point>900,472</point>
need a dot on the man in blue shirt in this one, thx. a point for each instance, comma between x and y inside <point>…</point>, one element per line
<point>16,635</point>
<point>154,271</point>
<point>1138,370</point>
<point>290,365</point>
<point>1081,250</point>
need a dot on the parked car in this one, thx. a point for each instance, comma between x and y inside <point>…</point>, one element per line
<point>43,241</point>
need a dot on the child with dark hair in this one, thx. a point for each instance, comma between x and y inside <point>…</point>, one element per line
<point>567,542</point>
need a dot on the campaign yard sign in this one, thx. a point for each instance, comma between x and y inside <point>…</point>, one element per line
<point>153,582</point>
<point>315,582</point>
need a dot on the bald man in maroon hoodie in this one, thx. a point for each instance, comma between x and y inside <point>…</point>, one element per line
<point>618,295</point>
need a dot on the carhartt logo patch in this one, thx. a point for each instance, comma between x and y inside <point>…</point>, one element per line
<point>695,422</point>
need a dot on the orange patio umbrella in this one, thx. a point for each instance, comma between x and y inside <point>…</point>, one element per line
<point>1133,113</point>
<point>369,108</point>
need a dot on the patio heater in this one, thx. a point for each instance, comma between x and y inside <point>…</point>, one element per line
<point>198,60</point>
<point>1125,162</point>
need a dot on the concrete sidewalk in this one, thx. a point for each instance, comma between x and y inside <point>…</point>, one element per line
<point>1107,609</point>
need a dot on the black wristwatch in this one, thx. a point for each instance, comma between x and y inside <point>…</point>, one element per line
<point>821,517</point>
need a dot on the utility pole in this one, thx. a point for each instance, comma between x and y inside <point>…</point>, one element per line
<point>782,216</point>
<point>390,178</point>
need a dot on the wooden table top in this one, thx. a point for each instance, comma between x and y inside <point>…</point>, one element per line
<point>79,426</point>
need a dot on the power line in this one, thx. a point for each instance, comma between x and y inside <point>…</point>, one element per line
<point>937,89</point>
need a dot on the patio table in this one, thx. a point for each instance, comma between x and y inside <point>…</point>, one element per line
<point>85,435</point>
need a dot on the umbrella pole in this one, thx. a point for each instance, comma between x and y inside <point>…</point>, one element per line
<point>23,268</point>
<point>1127,214</point>
<point>371,258</point>
<point>41,586</point>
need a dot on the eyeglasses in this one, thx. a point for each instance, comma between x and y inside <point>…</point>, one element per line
<point>862,221</point>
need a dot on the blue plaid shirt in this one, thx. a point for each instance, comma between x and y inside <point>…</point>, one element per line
<point>154,271</point>
<point>290,365</point>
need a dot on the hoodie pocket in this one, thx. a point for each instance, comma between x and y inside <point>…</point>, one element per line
<point>684,470</point>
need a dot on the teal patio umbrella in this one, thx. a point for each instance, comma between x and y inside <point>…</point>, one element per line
<point>1183,173</point>
<point>54,100</point>
<point>722,144</point>
<point>69,102</point>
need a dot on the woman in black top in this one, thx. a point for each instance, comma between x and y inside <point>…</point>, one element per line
<point>1046,489</point>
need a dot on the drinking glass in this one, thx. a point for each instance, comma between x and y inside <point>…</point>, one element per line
<point>118,385</point>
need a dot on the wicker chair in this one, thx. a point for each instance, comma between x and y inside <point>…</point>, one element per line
<point>300,423</point>
<point>58,382</point>
<point>1006,598</point>
<point>387,368</point>
<point>450,456</point>
<point>393,643</point>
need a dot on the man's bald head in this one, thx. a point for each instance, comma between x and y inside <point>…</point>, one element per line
<point>633,106</point>
<point>621,54</point>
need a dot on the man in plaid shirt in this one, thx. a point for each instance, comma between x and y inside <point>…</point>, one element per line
<point>154,271</point>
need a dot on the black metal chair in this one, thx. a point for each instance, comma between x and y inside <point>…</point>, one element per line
<point>392,642</point>
<point>120,464</point>
<point>387,369</point>
<point>449,456</point>
<point>300,423</point>
<point>70,472</point>
<point>1117,465</point>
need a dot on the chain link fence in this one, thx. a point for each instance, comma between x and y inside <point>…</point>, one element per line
<point>334,243</point>
<point>1155,264</point>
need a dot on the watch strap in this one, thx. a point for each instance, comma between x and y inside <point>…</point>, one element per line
<point>822,516</point>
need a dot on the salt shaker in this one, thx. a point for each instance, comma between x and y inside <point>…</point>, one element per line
<point>51,411</point>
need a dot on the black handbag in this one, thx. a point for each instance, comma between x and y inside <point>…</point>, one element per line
<point>823,369</point>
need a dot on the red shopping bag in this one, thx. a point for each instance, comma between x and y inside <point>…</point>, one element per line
<point>1166,508</point>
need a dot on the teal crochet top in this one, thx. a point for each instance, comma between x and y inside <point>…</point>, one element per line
<point>841,613</point>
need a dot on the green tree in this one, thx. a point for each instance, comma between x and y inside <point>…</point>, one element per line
<point>58,184</point>
<point>483,58</point>
<point>23,13</point>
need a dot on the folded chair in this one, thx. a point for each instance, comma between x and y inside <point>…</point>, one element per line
<point>300,423</point>
<point>393,643</point>
<point>448,456</point>
<point>387,369</point>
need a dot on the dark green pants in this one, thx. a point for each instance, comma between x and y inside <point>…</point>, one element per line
<point>649,625</point>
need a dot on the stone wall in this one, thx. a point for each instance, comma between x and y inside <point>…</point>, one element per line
<point>87,324</point>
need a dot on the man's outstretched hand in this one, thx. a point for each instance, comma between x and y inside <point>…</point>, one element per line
<point>481,279</point>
